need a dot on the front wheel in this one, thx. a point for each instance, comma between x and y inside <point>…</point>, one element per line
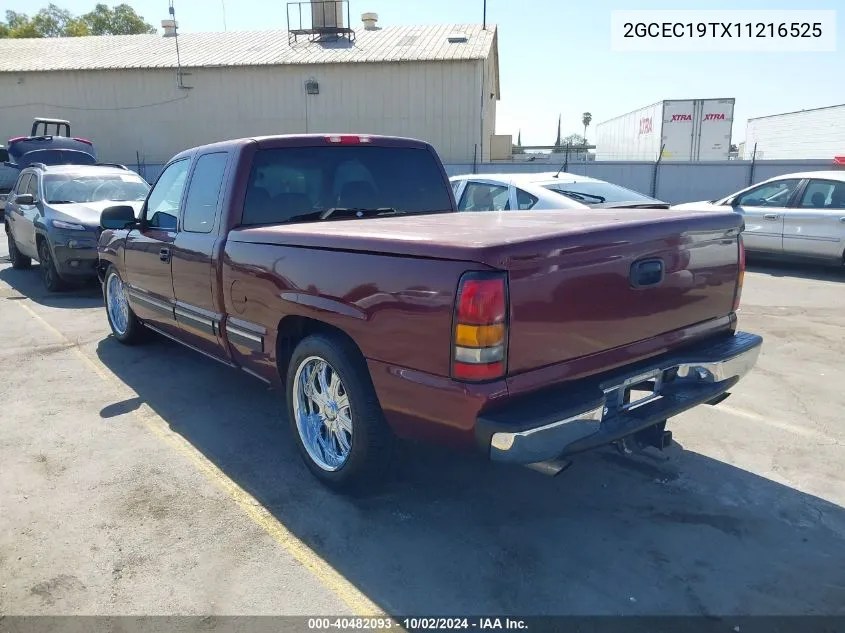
<point>18,259</point>
<point>124,324</point>
<point>334,413</point>
<point>49,275</point>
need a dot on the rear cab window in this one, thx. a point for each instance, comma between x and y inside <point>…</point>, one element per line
<point>297,184</point>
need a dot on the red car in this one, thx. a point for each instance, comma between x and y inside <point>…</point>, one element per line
<point>336,269</point>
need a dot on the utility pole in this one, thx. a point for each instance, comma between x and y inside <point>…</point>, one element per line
<point>484,24</point>
<point>223,4</point>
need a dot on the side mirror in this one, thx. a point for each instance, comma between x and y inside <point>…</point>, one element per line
<point>26,199</point>
<point>119,217</point>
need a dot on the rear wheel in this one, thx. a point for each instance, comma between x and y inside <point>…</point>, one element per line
<point>334,413</point>
<point>49,275</point>
<point>18,259</point>
<point>123,323</point>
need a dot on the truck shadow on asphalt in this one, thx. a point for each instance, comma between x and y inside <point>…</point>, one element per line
<point>448,534</point>
<point>28,284</point>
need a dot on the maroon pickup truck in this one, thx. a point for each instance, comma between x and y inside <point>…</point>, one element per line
<point>337,269</point>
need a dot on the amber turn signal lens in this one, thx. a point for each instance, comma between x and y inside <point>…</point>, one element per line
<point>479,335</point>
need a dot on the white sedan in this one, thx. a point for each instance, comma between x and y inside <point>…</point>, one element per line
<point>797,215</point>
<point>502,192</point>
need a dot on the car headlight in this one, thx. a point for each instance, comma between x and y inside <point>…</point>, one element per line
<point>68,226</point>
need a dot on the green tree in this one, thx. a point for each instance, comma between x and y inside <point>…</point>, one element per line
<point>54,21</point>
<point>586,118</point>
<point>19,25</point>
<point>121,20</point>
<point>574,140</point>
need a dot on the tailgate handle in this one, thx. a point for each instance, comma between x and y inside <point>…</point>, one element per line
<point>646,273</point>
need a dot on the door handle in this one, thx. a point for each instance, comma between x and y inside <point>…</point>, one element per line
<point>164,254</point>
<point>771,216</point>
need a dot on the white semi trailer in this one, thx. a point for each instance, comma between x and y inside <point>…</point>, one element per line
<point>686,130</point>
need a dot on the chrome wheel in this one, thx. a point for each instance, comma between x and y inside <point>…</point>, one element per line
<point>116,304</point>
<point>322,413</point>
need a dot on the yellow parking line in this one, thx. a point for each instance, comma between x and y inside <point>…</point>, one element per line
<point>324,572</point>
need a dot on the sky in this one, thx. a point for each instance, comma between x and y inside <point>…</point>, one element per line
<point>556,58</point>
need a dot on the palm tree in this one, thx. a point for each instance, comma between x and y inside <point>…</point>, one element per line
<point>585,119</point>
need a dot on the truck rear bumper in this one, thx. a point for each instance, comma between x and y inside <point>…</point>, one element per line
<point>565,420</point>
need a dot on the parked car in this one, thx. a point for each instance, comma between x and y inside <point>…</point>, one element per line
<point>53,216</point>
<point>50,143</point>
<point>335,268</point>
<point>799,215</point>
<point>8,176</point>
<point>503,192</point>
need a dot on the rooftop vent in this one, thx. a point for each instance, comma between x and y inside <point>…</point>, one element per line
<point>369,20</point>
<point>320,20</point>
<point>327,14</point>
<point>457,38</point>
<point>169,27</point>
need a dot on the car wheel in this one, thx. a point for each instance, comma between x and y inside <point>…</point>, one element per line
<point>49,275</point>
<point>18,259</point>
<point>123,323</point>
<point>334,413</point>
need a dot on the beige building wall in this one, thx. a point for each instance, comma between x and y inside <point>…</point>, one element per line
<point>144,111</point>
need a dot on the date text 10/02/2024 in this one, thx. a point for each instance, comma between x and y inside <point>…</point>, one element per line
<point>417,624</point>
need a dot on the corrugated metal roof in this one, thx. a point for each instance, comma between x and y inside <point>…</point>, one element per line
<point>244,48</point>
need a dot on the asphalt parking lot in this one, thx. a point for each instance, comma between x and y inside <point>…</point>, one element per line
<point>149,480</point>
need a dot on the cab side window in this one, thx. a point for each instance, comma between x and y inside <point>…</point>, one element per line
<point>480,196</point>
<point>824,194</point>
<point>32,186</point>
<point>165,198</point>
<point>20,185</point>
<point>772,194</point>
<point>525,200</point>
<point>203,193</point>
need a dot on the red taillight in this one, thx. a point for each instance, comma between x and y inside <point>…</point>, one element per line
<point>82,140</point>
<point>347,139</point>
<point>17,138</point>
<point>741,274</point>
<point>480,331</point>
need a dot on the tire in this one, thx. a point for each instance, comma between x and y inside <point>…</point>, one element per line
<point>127,328</point>
<point>370,441</point>
<point>18,259</point>
<point>49,275</point>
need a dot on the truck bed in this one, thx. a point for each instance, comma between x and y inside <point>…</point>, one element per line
<point>570,285</point>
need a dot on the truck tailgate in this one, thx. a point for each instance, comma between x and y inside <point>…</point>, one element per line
<point>581,296</point>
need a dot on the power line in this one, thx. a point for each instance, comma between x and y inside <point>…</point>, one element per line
<point>85,108</point>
